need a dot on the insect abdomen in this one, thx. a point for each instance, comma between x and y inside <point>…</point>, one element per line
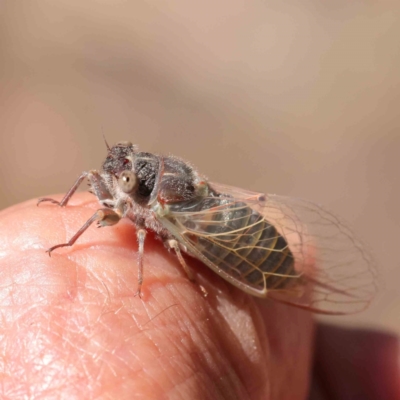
<point>242,243</point>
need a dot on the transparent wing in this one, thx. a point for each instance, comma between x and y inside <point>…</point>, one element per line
<point>291,249</point>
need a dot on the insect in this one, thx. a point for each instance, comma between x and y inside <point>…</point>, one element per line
<point>291,250</point>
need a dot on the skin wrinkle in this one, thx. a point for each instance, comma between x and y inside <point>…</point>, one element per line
<point>201,383</point>
<point>181,352</point>
<point>81,331</point>
<point>32,357</point>
<point>201,361</point>
<point>186,328</point>
<point>227,374</point>
<point>211,391</point>
<point>246,304</point>
<point>260,368</point>
<point>211,359</point>
<point>147,332</point>
<point>157,356</point>
<point>189,385</point>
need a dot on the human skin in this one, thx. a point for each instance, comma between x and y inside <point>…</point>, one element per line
<point>72,327</point>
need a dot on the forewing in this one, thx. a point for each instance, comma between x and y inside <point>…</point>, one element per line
<point>333,272</point>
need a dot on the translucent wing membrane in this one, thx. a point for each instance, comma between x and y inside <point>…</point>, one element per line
<point>292,250</point>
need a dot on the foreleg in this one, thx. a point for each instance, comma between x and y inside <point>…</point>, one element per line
<point>97,183</point>
<point>103,217</point>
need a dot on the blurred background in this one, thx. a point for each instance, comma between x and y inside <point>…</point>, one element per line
<point>299,98</point>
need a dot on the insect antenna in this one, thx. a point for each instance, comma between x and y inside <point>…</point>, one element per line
<point>105,141</point>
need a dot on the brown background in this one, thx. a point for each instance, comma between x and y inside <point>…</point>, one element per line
<point>298,97</point>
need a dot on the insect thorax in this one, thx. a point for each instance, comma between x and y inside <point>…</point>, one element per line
<point>162,181</point>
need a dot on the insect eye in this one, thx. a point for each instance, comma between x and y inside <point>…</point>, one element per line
<point>128,182</point>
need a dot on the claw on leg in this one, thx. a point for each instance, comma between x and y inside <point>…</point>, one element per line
<point>43,199</point>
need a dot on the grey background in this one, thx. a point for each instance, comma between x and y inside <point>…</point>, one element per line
<point>299,98</point>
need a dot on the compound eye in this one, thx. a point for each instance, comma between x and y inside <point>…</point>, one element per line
<point>128,182</point>
<point>124,144</point>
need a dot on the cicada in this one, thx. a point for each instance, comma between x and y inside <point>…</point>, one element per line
<point>288,249</point>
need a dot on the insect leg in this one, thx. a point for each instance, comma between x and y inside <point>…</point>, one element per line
<point>68,195</point>
<point>104,217</point>
<point>96,182</point>
<point>98,186</point>
<point>141,235</point>
<point>173,244</point>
